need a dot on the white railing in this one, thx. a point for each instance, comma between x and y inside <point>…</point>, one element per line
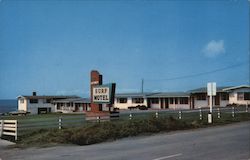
<point>8,127</point>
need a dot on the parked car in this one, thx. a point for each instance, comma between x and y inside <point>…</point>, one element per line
<point>132,107</point>
<point>142,107</point>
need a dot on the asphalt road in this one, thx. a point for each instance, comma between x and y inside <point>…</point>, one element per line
<point>230,142</point>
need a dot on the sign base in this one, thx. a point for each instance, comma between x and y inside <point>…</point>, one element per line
<point>209,118</point>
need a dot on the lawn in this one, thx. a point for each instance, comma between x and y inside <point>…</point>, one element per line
<point>91,133</point>
<point>32,123</point>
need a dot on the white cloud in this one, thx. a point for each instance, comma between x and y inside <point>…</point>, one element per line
<point>214,48</point>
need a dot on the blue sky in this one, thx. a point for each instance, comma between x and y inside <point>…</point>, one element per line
<point>51,46</point>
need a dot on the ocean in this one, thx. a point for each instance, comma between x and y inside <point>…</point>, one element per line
<point>8,105</point>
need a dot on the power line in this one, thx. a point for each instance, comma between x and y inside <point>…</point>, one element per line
<point>200,74</point>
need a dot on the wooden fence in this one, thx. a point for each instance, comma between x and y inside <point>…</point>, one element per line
<point>8,127</point>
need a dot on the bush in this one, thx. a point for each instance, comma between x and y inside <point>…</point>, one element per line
<point>107,131</point>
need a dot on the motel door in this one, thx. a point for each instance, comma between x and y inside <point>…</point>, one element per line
<point>217,100</point>
<point>192,102</point>
<point>166,103</point>
<point>161,103</point>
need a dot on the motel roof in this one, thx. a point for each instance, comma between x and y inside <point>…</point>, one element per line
<point>47,97</point>
<point>73,100</point>
<point>204,90</point>
<point>121,95</point>
<point>153,94</point>
<point>236,87</point>
<point>169,94</point>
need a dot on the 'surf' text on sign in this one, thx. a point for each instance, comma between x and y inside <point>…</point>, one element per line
<point>101,90</point>
<point>101,94</point>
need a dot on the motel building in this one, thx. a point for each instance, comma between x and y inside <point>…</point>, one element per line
<point>239,94</point>
<point>71,105</point>
<point>163,100</point>
<point>39,104</point>
<point>125,100</point>
<point>200,99</point>
<point>193,99</point>
<point>169,100</point>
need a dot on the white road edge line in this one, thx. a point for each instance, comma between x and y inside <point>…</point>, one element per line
<point>166,157</point>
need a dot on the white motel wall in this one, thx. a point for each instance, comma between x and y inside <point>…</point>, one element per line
<point>22,104</point>
<point>167,100</point>
<point>193,99</point>
<point>39,104</point>
<point>34,106</point>
<point>70,105</point>
<point>239,95</point>
<point>123,101</point>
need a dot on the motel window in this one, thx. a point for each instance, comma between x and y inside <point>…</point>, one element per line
<point>171,101</point>
<point>21,100</point>
<point>247,96</point>
<point>240,96</point>
<point>202,96</point>
<point>70,104</point>
<point>184,100</point>
<point>155,101</point>
<point>33,100</point>
<point>224,96</point>
<point>231,95</point>
<point>48,100</point>
<point>137,100</point>
<point>176,100</point>
<point>122,100</point>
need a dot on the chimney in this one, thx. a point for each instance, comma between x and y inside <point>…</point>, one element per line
<point>34,93</point>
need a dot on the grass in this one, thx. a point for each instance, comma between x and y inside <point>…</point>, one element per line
<point>41,117</point>
<point>92,133</point>
<point>31,123</point>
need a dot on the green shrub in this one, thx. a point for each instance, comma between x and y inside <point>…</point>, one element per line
<point>106,131</point>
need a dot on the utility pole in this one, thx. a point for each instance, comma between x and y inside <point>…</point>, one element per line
<point>142,85</point>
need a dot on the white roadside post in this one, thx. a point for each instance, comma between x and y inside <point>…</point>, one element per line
<point>233,112</point>
<point>130,116</point>
<point>60,123</point>
<point>200,114</point>
<point>98,118</point>
<point>218,109</point>
<point>211,91</point>
<point>247,107</point>
<point>156,114</point>
<point>179,114</point>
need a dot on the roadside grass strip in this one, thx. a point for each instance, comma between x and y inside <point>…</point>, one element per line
<point>92,133</point>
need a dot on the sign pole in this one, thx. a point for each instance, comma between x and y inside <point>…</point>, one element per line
<point>211,91</point>
<point>211,98</point>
